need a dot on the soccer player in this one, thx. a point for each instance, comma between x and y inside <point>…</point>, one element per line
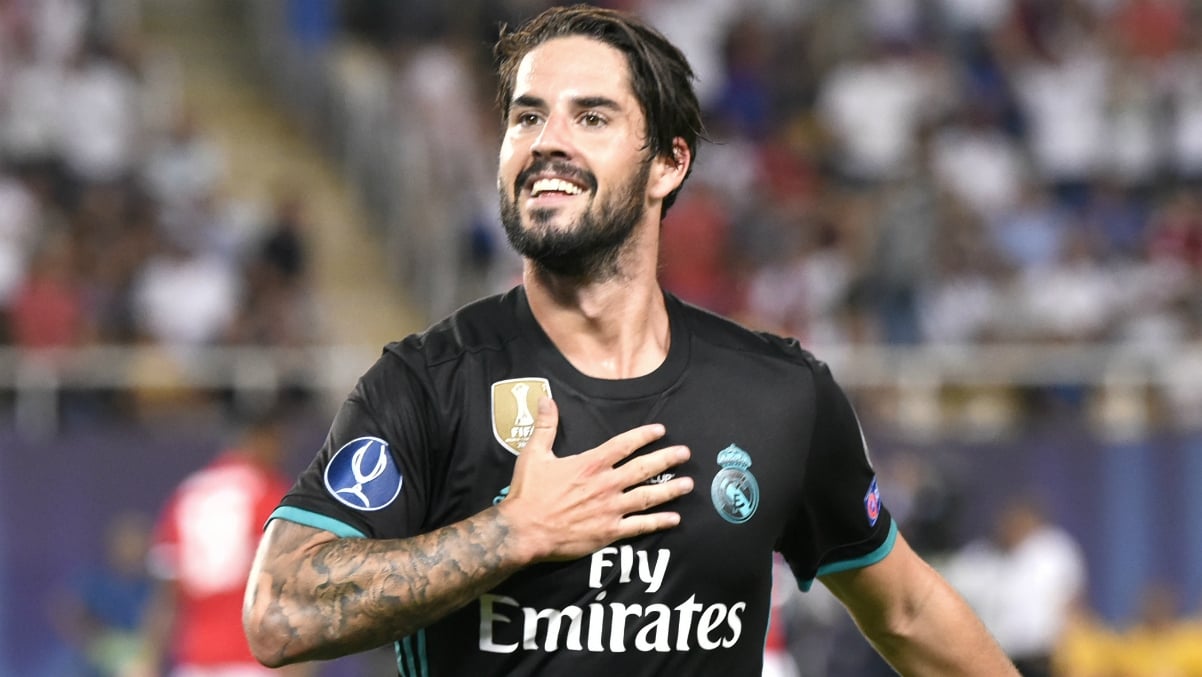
<point>584,475</point>
<point>203,547</point>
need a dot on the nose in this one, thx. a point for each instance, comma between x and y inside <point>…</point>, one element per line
<point>554,139</point>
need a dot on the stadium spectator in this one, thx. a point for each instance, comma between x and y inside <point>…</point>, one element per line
<point>1137,153</point>
<point>99,117</point>
<point>1060,82</point>
<point>184,295</point>
<point>1183,107</point>
<point>1158,642</point>
<point>1150,30</point>
<point>874,106</point>
<point>977,161</point>
<point>99,614</point>
<point>1071,299</point>
<point>1088,647</point>
<point>1025,583</point>
<point>1175,232</point>
<point>275,308</point>
<point>19,221</point>
<point>961,301</point>
<point>902,233</point>
<point>48,309</point>
<point>695,260</point>
<point>30,103</point>
<point>184,168</point>
<point>1031,231</point>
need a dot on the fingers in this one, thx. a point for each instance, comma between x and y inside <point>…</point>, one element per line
<point>646,497</point>
<point>650,465</point>
<point>622,445</point>
<point>546,422</point>
<point>637,522</point>
<point>640,525</point>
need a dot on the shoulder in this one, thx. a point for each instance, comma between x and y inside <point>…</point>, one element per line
<point>421,360</point>
<point>724,334</point>
<point>483,325</point>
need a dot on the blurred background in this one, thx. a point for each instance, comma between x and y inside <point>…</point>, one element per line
<point>984,214</point>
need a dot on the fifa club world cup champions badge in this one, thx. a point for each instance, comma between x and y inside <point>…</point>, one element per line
<point>514,402</point>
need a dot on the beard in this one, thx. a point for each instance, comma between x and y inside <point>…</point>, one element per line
<point>588,249</point>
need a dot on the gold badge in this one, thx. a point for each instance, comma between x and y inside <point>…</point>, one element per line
<point>514,402</point>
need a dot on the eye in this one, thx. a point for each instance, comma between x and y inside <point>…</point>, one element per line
<point>526,119</point>
<point>592,119</point>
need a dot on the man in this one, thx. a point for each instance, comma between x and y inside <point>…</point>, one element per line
<point>1026,583</point>
<point>202,551</point>
<point>585,475</point>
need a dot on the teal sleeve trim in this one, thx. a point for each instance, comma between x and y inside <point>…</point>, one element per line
<point>412,662</point>
<point>871,558</point>
<point>312,519</point>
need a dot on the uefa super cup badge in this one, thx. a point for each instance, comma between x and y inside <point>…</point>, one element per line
<point>514,402</point>
<point>734,491</point>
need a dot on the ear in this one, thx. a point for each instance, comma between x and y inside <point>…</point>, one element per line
<point>668,173</point>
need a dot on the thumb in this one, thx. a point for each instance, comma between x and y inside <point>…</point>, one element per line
<point>546,422</point>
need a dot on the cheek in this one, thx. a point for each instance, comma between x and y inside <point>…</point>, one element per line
<point>505,165</point>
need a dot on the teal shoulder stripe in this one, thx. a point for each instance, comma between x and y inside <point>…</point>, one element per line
<point>312,519</point>
<point>859,562</point>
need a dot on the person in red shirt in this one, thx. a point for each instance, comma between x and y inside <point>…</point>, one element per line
<point>47,309</point>
<point>204,542</point>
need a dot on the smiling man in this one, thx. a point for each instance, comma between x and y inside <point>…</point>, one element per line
<point>585,475</point>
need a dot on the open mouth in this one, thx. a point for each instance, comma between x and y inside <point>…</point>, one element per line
<point>552,187</point>
<point>551,180</point>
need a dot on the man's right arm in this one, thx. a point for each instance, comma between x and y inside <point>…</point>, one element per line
<point>313,595</point>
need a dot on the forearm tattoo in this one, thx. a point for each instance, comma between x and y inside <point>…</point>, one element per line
<point>354,594</point>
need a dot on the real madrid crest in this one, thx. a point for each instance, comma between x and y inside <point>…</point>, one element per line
<point>514,402</point>
<point>734,491</point>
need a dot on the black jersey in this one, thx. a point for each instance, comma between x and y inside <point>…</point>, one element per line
<point>430,434</point>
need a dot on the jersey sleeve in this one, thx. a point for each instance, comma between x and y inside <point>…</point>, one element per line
<point>370,478</point>
<point>840,523</point>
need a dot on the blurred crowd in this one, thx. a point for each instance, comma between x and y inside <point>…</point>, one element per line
<point>896,172</point>
<point>117,226</point>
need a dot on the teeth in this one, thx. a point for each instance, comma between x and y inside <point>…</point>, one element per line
<point>554,185</point>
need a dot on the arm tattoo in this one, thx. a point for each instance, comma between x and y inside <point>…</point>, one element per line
<point>352,594</point>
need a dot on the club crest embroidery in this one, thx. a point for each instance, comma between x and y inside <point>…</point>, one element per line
<point>514,402</point>
<point>734,491</point>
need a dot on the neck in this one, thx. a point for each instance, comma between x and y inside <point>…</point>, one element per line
<point>612,329</point>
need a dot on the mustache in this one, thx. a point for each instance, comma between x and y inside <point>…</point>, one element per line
<point>558,168</point>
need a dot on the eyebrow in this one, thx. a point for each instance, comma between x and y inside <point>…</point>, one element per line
<point>597,102</point>
<point>527,101</point>
<point>530,101</point>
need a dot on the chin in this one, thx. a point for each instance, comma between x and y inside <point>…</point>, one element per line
<point>547,220</point>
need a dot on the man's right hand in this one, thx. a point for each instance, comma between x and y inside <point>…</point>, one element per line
<point>565,508</point>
